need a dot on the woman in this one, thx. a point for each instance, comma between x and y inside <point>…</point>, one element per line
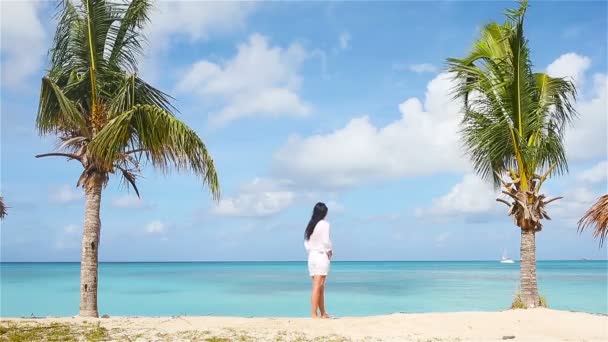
<point>318,246</point>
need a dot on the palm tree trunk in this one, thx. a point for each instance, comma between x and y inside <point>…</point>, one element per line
<point>529,289</point>
<point>90,248</point>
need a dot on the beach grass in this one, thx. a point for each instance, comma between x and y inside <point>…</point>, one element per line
<point>428,327</point>
<point>518,302</point>
<point>27,331</point>
<point>64,332</point>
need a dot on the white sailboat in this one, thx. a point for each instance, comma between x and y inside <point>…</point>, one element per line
<point>504,259</point>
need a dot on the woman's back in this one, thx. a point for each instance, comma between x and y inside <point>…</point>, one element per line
<point>319,240</point>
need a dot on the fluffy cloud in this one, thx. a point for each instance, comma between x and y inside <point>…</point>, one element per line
<point>424,140</point>
<point>155,227</point>
<point>596,174</point>
<point>587,137</point>
<point>261,80</point>
<point>472,198</point>
<point>572,207</point>
<point>195,20</point>
<point>570,65</point>
<point>128,201</point>
<point>23,40</point>
<point>66,194</point>
<point>260,198</point>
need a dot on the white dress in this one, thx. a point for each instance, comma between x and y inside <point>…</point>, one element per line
<point>317,247</point>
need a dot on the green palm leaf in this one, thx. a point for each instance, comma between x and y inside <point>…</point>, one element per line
<point>100,109</point>
<point>162,138</point>
<point>513,119</point>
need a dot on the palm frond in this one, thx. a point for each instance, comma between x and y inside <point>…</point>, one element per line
<point>126,45</point>
<point>132,91</point>
<point>57,112</point>
<point>164,140</point>
<point>63,42</point>
<point>513,118</point>
<point>596,216</point>
<point>2,208</point>
<point>105,115</point>
<point>129,178</point>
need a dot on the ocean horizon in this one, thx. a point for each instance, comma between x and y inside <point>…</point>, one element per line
<point>282,288</point>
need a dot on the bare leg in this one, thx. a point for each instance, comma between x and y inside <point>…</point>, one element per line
<point>322,300</point>
<point>317,283</point>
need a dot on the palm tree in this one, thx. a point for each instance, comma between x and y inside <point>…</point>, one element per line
<point>2,208</point>
<point>596,216</point>
<point>513,126</point>
<point>106,117</point>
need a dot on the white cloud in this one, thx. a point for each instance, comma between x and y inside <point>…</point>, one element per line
<point>570,65</point>
<point>474,199</point>
<point>344,40</point>
<point>579,197</point>
<point>23,40</point>
<point>261,80</point>
<point>587,137</point>
<point>596,174</point>
<point>195,20</point>
<point>424,140</point>
<point>575,203</point>
<point>155,227</point>
<point>66,194</point>
<point>471,198</point>
<point>128,201</point>
<point>422,68</point>
<point>260,198</point>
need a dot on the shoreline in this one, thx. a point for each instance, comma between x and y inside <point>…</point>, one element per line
<point>525,325</point>
<point>278,261</point>
<point>401,313</point>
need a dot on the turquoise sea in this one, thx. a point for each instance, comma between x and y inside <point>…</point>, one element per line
<point>282,288</point>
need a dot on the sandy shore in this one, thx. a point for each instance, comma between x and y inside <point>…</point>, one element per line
<point>512,325</point>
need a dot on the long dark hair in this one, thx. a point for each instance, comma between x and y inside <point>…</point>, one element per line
<point>318,213</point>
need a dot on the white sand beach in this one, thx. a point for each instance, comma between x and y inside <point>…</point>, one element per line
<point>512,325</point>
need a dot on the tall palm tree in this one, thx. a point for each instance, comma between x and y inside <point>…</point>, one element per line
<point>106,117</point>
<point>596,216</point>
<point>513,127</point>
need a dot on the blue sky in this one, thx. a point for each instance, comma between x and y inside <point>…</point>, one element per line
<point>301,102</point>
